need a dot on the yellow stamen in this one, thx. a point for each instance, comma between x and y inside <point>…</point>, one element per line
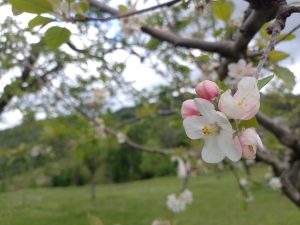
<point>251,148</point>
<point>210,130</point>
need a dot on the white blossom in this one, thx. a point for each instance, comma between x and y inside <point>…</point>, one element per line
<point>240,69</point>
<point>216,131</point>
<point>182,167</point>
<point>244,104</point>
<point>176,205</point>
<point>275,183</point>
<point>243,182</point>
<point>121,138</point>
<point>186,196</point>
<point>161,222</point>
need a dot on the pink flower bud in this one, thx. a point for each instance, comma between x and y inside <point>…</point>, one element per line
<point>249,141</point>
<point>189,108</point>
<point>207,89</point>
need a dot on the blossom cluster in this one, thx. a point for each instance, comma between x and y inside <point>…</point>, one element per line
<point>178,204</point>
<point>203,121</point>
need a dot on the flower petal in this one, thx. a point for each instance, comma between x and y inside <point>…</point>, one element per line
<point>229,148</point>
<point>206,108</point>
<point>227,105</point>
<point>247,88</point>
<point>211,152</point>
<point>193,126</point>
<point>223,122</point>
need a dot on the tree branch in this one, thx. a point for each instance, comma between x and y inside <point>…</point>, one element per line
<point>117,15</point>
<point>283,134</point>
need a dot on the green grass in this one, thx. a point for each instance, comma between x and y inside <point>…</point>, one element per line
<point>216,202</point>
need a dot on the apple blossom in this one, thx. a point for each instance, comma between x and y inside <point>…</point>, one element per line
<point>176,205</point>
<point>182,167</point>
<point>243,182</point>
<point>275,183</point>
<point>132,23</point>
<point>215,129</point>
<point>161,222</point>
<point>121,138</point>
<point>189,108</point>
<point>207,89</point>
<point>240,69</point>
<point>179,204</point>
<point>249,141</point>
<point>186,196</point>
<point>244,104</point>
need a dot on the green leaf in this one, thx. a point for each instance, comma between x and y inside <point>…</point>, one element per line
<point>81,8</point>
<point>204,58</point>
<point>56,36</point>
<point>263,31</point>
<point>222,86</point>
<point>32,6</point>
<point>39,21</point>
<point>123,9</point>
<point>153,44</point>
<point>264,81</point>
<point>244,124</point>
<point>223,10</point>
<point>285,75</point>
<point>276,56</point>
<point>286,38</point>
<point>15,11</point>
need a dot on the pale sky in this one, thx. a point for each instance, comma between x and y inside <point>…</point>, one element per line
<point>136,71</point>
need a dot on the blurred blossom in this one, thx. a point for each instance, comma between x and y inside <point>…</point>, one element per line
<point>250,162</point>
<point>121,138</point>
<point>132,24</point>
<point>275,183</point>
<point>210,70</point>
<point>182,166</point>
<point>35,151</point>
<point>179,204</point>
<point>249,198</point>
<point>186,196</point>
<point>100,128</point>
<point>161,222</point>
<point>243,182</point>
<point>268,175</point>
<point>176,205</point>
<point>240,69</point>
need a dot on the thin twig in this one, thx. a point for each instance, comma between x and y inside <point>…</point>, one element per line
<point>125,15</point>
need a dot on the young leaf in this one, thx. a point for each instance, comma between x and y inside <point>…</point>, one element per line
<point>285,37</point>
<point>32,6</point>
<point>123,9</point>
<point>244,124</point>
<point>223,10</point>
<point>39,21</point>
<point>286,75</point>
<point>56,36</point>
<point>222,86</point>
<point>276,56</point>
<point>263,82</point>
<point>81,8</point>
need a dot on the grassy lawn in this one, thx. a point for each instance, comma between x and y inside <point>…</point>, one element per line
<point>216,202</point>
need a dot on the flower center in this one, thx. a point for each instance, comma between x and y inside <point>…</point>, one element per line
<point>251,148</point>
<point>241,103</point>
<point>210,130</point>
